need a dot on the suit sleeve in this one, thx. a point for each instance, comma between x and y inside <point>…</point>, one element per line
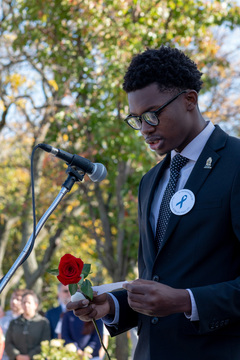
<point>218,304</point>
<point>127,317</point>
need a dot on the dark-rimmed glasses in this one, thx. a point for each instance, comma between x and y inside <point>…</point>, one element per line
<point>151,117</point>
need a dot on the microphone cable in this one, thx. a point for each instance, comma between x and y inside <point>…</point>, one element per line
<point>33,207</point>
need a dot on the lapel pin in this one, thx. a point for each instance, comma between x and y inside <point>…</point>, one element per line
<point>208,163</point>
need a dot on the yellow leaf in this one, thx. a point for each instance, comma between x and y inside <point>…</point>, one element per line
<point>2,106</point>
<point>114,230</point>
<point>21,103</point>
<point>16,80</point>
<point>53,84</point>
<point>44,18</point>
<point>69,209</point>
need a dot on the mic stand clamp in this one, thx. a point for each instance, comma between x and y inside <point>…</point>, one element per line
<point>75,174</point>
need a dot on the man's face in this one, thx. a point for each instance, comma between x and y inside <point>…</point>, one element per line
<point>64,295</point>
<point>176,127</point>
<point>16,304</point>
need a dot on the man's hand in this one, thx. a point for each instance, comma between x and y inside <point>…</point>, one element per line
<point>99,307</point>
<point>22,357</point>
<point>156,299</point>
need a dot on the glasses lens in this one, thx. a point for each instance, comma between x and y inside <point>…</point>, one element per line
<point>150,118</point>
<point>134,122</point>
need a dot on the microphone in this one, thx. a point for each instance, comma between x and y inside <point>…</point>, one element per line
<point>96,171</point>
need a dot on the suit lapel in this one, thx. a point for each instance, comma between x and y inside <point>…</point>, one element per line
<point>149,246</point>
<point>203,167</point>
<point>162,167</point>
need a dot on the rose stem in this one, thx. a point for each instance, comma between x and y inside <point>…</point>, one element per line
<point>100,338</point>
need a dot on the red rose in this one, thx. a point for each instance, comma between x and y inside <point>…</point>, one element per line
<point>70,269</point>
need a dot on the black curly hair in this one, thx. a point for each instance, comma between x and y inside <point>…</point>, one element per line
<point>169,67</point>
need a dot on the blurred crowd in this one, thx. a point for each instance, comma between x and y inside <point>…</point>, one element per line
<point>23,327</point>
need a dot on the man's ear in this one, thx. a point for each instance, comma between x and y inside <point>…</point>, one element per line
<point>191,100</point>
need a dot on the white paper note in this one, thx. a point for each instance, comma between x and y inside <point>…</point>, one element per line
<point>108,287</point>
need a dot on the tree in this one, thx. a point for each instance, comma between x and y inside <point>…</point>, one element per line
<point>62,66</point>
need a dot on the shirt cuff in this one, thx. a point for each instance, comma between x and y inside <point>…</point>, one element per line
<point>194,315</point>
<point>111,320</point>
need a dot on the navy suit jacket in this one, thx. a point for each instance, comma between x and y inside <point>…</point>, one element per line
<point>53,315</point>
<point>201,251</point>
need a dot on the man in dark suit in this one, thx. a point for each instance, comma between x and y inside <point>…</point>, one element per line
<point>186,302</point>
<point>55,314</point>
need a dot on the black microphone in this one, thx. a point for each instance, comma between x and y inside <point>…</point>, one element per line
<point>96,171</point>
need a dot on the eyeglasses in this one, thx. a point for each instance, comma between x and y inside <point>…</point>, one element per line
<point>151,117</point>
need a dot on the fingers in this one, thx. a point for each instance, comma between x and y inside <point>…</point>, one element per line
<point>137,301</point>
<point>136,293</point>
<point>137,286</point>
<point>87,310</point>
<point>97,299</point>
<point>86,314</point>
<point>82,309</point>
<point>72,305</point>
<point>100,299</point>
<point>141,295</point>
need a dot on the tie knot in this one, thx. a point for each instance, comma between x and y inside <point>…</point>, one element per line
<point>177,163</point>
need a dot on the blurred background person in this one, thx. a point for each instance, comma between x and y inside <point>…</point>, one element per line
<point>2,343</point>
<point>82,334</point>
<point>25,334</point>
<point>15,311</point>
<point>2,313</point>
<point>55,314</point>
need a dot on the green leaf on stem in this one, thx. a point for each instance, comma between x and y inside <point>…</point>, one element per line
<point>86,289</point>
<point>81,280</point>
<point>86,270</point>
<point>72,288</point>
<point>53,271</point>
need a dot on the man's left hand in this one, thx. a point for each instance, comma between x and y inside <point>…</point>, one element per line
<point>156,299</point>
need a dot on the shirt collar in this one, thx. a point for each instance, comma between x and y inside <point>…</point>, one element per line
<point>63,306</point>
<point>195,147</point>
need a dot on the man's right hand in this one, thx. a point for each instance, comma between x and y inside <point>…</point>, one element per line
<point>99,307</point>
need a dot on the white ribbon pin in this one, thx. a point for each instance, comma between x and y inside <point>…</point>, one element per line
<point>182,202</point>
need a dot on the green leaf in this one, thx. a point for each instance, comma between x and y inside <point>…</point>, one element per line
<point>53,271</point>
<point>81,281</point>
<point>72,288</point>
<point>86,289</point>
<point>86,270</point>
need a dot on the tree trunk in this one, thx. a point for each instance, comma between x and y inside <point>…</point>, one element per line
<point>122,347</point>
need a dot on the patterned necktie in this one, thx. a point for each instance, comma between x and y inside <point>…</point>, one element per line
<point>176,165</point>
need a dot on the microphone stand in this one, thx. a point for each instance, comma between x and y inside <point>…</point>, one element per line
<point>73,176</point>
